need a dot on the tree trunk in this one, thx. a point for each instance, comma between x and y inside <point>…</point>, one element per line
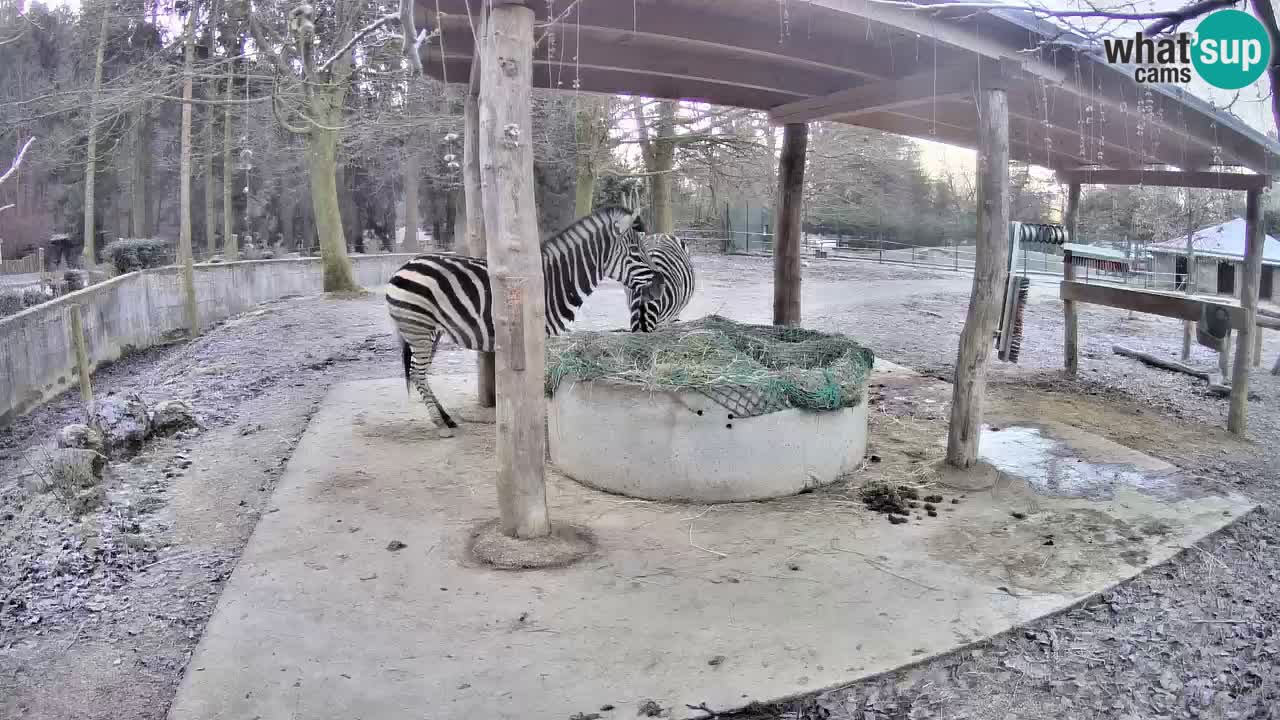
<point>664,156</point>
<point>515,269</point>
<point>184,188</point>
<point>786,254</point>
<point>140,171</point>
<point>322,159</point>
<point>989,274</point>
<point>476,245</point>
<point>450,212</point>
<point>287,211</point>
<point>592,131</point>
<point>229,243</point>
<point>210,207</point>
<point>659,160</point>
<point>91,160</point>
<point>412,171</point>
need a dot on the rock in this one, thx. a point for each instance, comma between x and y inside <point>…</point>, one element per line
<point>80,436</point>
<point>171,416</point>
<point>123,422</point>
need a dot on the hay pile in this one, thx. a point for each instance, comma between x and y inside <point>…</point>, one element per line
<point>749,369</point>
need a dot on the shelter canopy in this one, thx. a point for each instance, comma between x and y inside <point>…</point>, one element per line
<point>909,72</point>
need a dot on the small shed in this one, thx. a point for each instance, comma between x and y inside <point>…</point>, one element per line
<point>1218,259</point>
<point>1095,259</point>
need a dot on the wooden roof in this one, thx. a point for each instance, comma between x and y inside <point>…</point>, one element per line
<point>908,72</point>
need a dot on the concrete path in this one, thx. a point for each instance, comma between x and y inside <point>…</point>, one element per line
<point>356,597</point>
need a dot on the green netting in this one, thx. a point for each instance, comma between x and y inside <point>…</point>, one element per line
<point>749,369</point>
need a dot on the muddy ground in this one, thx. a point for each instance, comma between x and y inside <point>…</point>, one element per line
<point>99,615</point>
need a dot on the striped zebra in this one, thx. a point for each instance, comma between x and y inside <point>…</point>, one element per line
<point>437,293</point>
<point>670,259</point>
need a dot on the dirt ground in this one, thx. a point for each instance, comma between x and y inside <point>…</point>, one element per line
<point>99,615</point>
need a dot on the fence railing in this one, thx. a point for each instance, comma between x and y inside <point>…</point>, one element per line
<point>23,266</point>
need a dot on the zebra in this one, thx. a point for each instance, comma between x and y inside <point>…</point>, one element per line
<point>435,293</point>
<point>670,259</point>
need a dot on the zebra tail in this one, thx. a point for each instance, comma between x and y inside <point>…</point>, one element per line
<point>406,353</point>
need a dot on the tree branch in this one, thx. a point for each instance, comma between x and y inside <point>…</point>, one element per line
<point>410,38</point>
<point>284,122</point>
<point>1190,12</point>
<point>17,162</point>
<point>1267,14</point>
<point>361,34</point>
<point>266,45</point>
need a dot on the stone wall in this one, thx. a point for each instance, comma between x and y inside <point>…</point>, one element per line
<point>142,309</point>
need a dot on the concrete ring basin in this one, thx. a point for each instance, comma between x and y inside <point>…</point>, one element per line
<point>682,446</point>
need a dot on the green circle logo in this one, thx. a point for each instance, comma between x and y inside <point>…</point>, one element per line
<point>1232,49</point>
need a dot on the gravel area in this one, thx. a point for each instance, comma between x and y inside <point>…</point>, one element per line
<point>99,614</point>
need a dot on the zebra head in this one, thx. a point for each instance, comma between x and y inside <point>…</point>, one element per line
<point>628,261</point>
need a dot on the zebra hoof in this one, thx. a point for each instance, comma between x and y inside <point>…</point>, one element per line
<point>445,432</point>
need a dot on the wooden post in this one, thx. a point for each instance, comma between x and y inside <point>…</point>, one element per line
<point>1238,414</point>
<point>515,267</point>
<point>1257,348</point>
<point>475,245</point>
<point>82,355</point>
<point>989,274</point>
<point>1071,321</point>
<point>787,226</point>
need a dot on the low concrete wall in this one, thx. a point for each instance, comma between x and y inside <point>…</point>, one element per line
<point>682,446</point>
<point>142,309</point>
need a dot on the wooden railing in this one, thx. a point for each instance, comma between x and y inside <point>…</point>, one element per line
<point>28,264</point>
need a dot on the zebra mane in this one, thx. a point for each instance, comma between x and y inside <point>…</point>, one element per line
<point>600,212</point>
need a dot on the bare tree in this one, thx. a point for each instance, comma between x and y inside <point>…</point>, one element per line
<point>91,149</point>
<point>324,81</point>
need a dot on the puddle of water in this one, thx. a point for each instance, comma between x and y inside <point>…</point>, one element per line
<point>1050,467</point>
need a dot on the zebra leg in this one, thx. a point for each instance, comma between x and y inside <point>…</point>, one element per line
<point>420,367</point>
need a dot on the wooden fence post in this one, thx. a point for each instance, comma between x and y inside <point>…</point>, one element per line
<point>786,246</point>
<point>1071,321</point>
<point>474,205</point>
<point>515,267</point>
<point>82,355</point>
<point>989,274</point>
<point>1238,414</point>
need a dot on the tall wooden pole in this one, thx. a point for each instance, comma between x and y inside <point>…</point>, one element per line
<point>475,206</point>
<point>989,275</point>
<point>190,306</point>
<point>1071,321</point>
<point>515,267</point>
<point>787,225</point>
<point>1238,414</point>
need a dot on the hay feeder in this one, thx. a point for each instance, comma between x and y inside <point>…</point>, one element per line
<point>707,411</point>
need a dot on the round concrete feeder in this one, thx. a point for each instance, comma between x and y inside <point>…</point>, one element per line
<point>682,446</point>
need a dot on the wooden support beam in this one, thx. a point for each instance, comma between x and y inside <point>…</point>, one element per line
<point>515,268</point>
<point>1071,321</point>
<point>475,245</point>
<point>787,225</point>
<point>1180,307</point>
<point>951,82</point>
<point>81,347</point>
<point>989,273</point>
<point>1167,178</point>
<point>1238,414</point>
